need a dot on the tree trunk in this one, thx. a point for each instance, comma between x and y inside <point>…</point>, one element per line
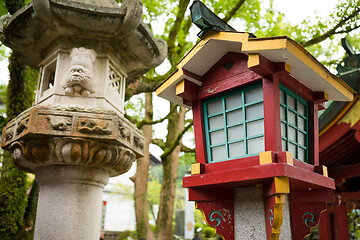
<point>141,177</point>
<point>168,186</point>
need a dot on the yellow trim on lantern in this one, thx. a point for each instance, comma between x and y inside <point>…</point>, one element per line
<point>195,169</point>
<point>316,224</point>
<point>180,87</point>
<point>287,68</point>
<point>262,44</point>
<point>289,158</point>
<point>169,81</point>
<point>278,216</point>
<point>313,63</point>
<point>281,185</point>
<point>325,171</point>
<point>224,36</point>
<point>285,43</point>
<point>265,157</point>
<point>253,60</point>
<point>255,46</point>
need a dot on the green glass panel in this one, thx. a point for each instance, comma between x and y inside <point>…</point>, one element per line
<point>255,128</point>
<point>234,117</point>
<point>253,95</point>
<point>236,133</point>
<point>236,149</point>
<point>217,137</point>
<point>292,134</point>
<point>256,145</point>
<point>215,107</point>
<point>254,111</point>
<point>291,102</point>
<point>282,97</point>
<point>301,123</point>
<point>301,154</point>
<point>282,113</point>
<point>216,122</point>
<point>233,101</point>
<point>301,109</point>
<point>218,153</point>
<point>292,149</point>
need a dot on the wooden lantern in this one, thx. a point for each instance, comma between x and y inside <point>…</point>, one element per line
<point>255,105</point>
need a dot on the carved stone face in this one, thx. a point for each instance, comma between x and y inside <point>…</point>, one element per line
<point>79,80</point>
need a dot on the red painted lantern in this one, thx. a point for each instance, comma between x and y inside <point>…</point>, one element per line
<point>255,105</point>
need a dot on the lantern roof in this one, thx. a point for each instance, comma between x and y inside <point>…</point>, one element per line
<point>304,67</point>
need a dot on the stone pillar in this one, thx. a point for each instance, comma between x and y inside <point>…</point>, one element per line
<point>69,205</point>
<point>249,215</point>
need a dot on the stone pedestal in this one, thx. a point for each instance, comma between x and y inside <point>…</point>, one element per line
<point>69,205</point>
<point>72,152</point>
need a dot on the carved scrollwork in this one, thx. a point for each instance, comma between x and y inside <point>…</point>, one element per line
<point>94,126</point>
<point>59,123</point>
<point>22,126</point>
<point>76,151</point>
<point>9,134</point>
<point>124,132</point>
<point>139,142</point>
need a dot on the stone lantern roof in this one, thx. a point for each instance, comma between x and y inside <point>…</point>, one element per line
<point>34,30</point>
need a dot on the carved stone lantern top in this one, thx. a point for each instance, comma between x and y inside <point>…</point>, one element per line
<point>33,31</point>
<point>84,49</point>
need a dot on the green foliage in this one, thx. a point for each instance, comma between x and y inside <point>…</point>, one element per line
<point>354,223</point>
<point>123,190</point>
<point>208,232</point>
<point>3,9</point>
<point>2,49</point>
<point>20,93</point>
<point>354,41</point>
<point>13,5</point>
<point>12,200</point>
<point>186,160</point>
<point>135,107</point>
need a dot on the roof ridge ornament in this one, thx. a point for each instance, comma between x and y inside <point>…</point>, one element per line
<point>207,20</point>
<point>347,47</point>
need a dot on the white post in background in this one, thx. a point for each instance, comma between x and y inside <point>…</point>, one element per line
<point>189,215</point>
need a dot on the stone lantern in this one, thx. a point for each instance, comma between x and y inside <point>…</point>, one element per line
<point>75,136</point>
<point>255,105</point>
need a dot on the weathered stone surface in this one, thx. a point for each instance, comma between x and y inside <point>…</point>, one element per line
<point>57,136</point>
<point>69,204</point>
<point>286,225</point>
<point>33,30</point>
<point>249,214</point>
